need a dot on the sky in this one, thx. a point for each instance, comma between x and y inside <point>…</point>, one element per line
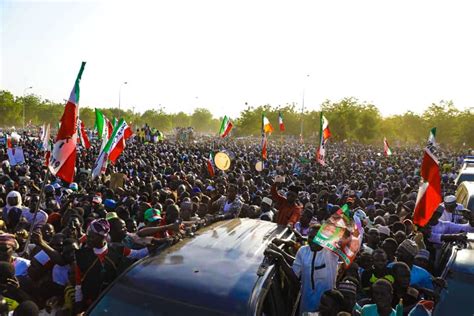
<point>399,55</point>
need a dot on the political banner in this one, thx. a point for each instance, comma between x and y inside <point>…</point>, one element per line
<point>341,234</point>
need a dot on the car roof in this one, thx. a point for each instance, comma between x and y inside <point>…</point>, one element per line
<point>215,270</point>
<point>464,261</point>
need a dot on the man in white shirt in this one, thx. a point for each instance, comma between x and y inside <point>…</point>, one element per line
<point>314,266</point>
<point>451,211</point>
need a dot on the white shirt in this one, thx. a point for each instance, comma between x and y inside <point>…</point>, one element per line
<point>449,217</point>
<point>318,274</point>
<point>40,220</point>
<point>444,227</point>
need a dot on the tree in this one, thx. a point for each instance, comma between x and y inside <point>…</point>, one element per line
<point>201,120</point>
<point>10,110</point>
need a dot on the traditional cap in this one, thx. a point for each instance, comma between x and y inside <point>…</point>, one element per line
<point>267,201</point>
<point>99,226</point>
<point>384,230</point>
<point>449,199</point>
<point>360,214</point>
<point>423,254</point>
<point>210,188</point>
<point>152,215</point>
<point>73,186</point>
<point>111,215</point>
<point>347,287</point>
<point>109,203</point>
<point>97,199</point>
<point>410,246</point>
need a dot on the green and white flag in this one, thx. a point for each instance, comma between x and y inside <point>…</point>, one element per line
<point>113,148</point>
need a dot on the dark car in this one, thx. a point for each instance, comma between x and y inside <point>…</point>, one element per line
<point>220,271</point>
<point>457,298</point>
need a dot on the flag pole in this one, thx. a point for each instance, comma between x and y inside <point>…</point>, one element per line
<point>37,206</point>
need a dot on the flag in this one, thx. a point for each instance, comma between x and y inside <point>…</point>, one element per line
<point>264,146</point>
<point>124,132</point>
<point>83,135</point>
<point>342,234</point>
<point>266,126</point>
<point>110,128</point>
<point>386,148</point>
<point>113,148</point>
<point>432,137</point>
<point>47,144</point>
<point>45,136</point>
<point>226,126</point>
<point>114,122</point>
<point>102,125</point>
<point>8,141</point>
<point>324,135</point>
<point>63,158</point>
<point>280,122</point>
<point>429,193</point>
<point>210,165</point>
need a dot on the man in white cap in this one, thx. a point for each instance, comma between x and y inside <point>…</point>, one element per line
<point>452,211</point>
<point>267,210</point>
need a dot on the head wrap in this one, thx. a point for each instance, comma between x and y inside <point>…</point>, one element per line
<point>99,226</point>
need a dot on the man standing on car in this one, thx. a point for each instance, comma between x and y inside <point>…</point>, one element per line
<point>314,266</point>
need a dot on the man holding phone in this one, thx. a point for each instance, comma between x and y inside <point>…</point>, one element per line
<point>289,208</point>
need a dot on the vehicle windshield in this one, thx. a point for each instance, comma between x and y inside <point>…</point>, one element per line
<point>466,177</point>
<point>455,299</point>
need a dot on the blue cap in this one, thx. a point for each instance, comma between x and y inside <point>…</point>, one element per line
<point>109,203</point>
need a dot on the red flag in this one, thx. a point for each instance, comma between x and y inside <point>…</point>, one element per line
<point>280,122</point>
<point>110,128</point>
<point>83,135</point>
<point>264,146</point>
<point>429,193</point>
<point>210,165</point>
<point>63,158</point>
<point>120,146</point>
<point>324,135</point>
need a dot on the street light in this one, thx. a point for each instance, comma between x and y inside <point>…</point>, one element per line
<point>24,92</point>
<point>120,91</point>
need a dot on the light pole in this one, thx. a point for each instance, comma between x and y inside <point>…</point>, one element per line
<point>120,91</point>
<point>24,92</point>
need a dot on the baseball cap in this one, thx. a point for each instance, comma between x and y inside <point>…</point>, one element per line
<point>152,215</point>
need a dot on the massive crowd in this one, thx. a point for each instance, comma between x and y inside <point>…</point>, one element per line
<point>87,232</point>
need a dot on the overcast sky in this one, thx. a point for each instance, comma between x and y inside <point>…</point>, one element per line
<point>399,55</point>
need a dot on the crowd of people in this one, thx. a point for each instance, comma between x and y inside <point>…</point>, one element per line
<point>58,260</point>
